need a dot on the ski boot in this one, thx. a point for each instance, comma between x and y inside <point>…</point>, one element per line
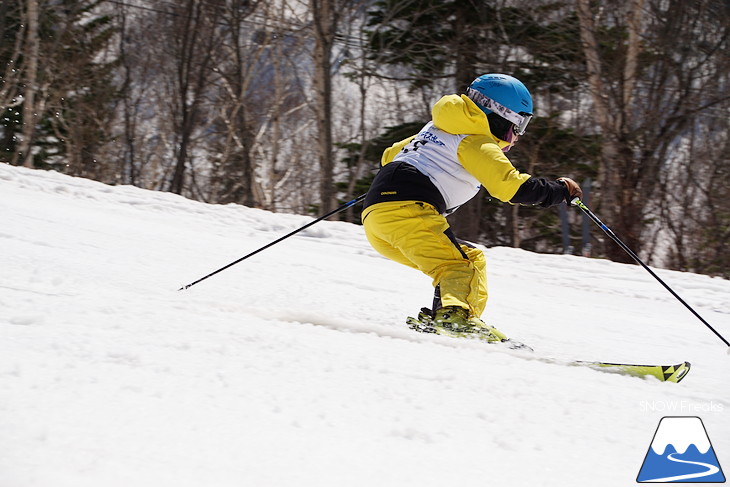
<point>456,321</point>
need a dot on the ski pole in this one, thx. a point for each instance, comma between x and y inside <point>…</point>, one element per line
<point>577,202</point>
<point>323,217</point>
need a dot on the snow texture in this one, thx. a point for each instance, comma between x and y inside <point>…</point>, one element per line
<point>295,368</point>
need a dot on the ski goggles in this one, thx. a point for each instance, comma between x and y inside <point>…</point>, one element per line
<point>520,121</point>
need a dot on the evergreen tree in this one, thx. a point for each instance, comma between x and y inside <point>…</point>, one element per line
<point>84,92</point>
<point>75,90</point>
<point>12,37</point>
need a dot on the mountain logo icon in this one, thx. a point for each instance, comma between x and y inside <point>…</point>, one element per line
<point>681,452</point>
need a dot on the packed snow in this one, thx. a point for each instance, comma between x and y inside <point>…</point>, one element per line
<point>295,367</point>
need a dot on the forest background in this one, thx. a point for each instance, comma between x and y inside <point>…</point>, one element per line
<point>286,105</point>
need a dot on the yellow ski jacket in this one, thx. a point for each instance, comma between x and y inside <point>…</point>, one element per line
<point>452,156</point>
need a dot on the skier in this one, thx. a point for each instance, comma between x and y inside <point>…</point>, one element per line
<point>429,175</point>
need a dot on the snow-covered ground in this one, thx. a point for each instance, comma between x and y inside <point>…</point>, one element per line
<point>294,368</point>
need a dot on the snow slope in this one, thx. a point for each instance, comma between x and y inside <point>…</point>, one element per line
<point>293,368</point>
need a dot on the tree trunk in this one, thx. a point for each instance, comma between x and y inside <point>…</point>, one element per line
<point>197,41</point>
<point>324,31</point>
<point>30,114</point>
<point>618,202</point>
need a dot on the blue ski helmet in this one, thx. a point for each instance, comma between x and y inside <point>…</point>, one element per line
<point>504,95</point>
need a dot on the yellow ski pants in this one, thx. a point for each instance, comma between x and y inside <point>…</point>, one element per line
<point>415,234</point>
